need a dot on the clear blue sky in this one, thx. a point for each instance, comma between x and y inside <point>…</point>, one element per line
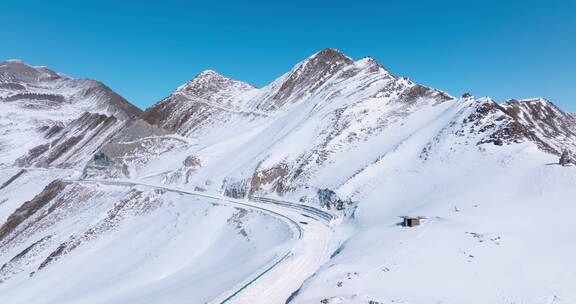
<point>503,49</point>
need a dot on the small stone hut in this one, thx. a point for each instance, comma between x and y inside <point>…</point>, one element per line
<point>409,221</point>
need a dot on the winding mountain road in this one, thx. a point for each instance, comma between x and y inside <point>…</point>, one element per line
<point>314,242</point>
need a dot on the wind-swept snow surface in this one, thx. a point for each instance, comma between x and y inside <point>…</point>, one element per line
<point>136,245</point>
<point>497,231</point>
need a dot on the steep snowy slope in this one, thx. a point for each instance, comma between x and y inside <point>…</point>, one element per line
<point>497,231</point>
<point>36,104</point>
<point>132,244</point>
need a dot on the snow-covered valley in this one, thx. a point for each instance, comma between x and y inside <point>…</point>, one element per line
<point>289,193</point>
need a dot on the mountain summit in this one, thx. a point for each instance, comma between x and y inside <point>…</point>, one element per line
<point>18,78</point>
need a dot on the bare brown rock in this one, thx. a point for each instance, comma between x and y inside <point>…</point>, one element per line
<point>29,208</point>
<point>265,177</point>
<point>12,179</point>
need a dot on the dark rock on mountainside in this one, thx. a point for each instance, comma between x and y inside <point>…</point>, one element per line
<point>12,179</point>
<point>114,103</point>
<point>29,208</point>
<point>517,121</point>
<point>73,144</point>
<point>308,77</point>
<point>208,97</point>
<point>567,159</point>
<point>36,96</point>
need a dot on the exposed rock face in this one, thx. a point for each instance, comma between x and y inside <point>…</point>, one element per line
<point>28,209</point>
<point>192,162</point>
<point>18,262</point>
<point>330,200</point>
<point>74,144</point>
<point>516,121</point>
<point>567,159</point>
<point>271,177</point>
<point>543,123</point>
<point>306,78</point>
<point>238,189</point>
<point>12,179</point>
<point>16,71</point>
<point>56,99</point>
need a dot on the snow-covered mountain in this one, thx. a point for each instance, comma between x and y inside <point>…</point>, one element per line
<point>39,87</point>
<point>328,113</point>
<point>193,201</point>
<point>44,113</point>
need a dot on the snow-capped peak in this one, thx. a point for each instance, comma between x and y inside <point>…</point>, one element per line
<point>209,82</point>
<point>13,61</point>
<point>208,74</point>
<point>329,54</point>
<point>15,70</point>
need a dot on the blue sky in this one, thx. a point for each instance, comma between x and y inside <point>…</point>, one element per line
<point>503,49</point>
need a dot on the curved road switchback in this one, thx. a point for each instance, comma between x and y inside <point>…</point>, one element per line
<point>315,241</point>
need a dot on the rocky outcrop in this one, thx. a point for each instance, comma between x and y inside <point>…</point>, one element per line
<point>567,159</point>
<point>36,96</point>
<point>330,200</point>
<point>306,78</point>
<point>535,120</point>
<point>74,144</point>
<point>12,179</point>
<point>20,261</point>
<point>28,209</point>
<point>192,162</point>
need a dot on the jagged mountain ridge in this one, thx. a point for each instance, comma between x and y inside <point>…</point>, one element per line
<point>537,116</point>
<point>327,107</point>
<point>284,137</point>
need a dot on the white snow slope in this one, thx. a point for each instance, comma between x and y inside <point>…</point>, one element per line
<point>485,175</point>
